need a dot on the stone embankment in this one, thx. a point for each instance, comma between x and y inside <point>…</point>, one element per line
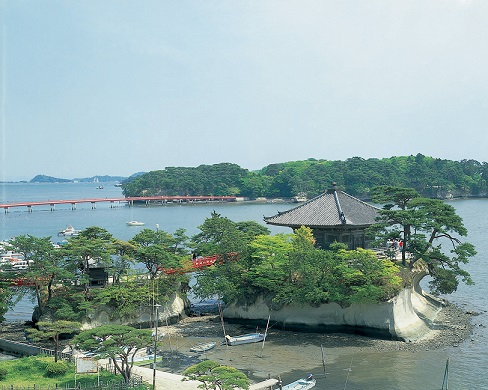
<point>409,316</point>
<point>451,326</point>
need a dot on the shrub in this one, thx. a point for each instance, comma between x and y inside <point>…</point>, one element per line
<point>56,369</point>
<point>3,373</point>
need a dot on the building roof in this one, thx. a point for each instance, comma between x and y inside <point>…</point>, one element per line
<point>333,208</point>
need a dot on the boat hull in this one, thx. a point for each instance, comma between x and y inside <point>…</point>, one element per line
<point>244,339</point>
<point>300,384</point>
<point>135,223</point>
<point>203,347</point>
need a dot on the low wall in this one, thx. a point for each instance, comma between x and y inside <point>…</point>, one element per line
<point>16,348</point>
<point>405,317</point>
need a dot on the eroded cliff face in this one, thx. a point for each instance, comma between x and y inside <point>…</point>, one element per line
<point>405,317</point>
<point>168,313</point>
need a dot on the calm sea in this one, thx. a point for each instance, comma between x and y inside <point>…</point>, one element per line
<point>369,370</point>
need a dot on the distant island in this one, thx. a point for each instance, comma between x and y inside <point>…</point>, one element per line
<point>93,179</point>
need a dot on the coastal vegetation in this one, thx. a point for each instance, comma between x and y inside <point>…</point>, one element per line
<point>62,279</point>
<point>430,177</point>
<point>93,179</point>
<point>424,226</point>
<point>46,331</point>
<point>287,269</point>
<point>43,372</point>
<point>212,375</point>
<point>120,343</point>
<point>284,268</point>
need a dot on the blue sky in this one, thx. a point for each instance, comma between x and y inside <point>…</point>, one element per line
<point>118,87</point>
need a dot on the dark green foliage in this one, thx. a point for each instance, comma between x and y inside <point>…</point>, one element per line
<point>219,235</point>
<point>52,331</point>
<point>46,270</point>
<point>289,269</point>
<point>159,250</point>
<point>31,373</point>
<point>54,369</point>
<point>219,179</point>
<point>6,296</point>
<point>120,343</point>
<point>126,299</point>
<point>430,177</point>
<point>214,376</point>
<point>3,373</point>
<point>424,225</point>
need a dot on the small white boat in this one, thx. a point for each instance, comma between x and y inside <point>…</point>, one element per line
<point>243,339</point>
<point>69,232</point>
<point>202,347</point>
<point>301,384</point>
<point>135,223</point>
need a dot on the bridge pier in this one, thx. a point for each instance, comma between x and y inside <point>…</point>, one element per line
<point>52,207</point>
<point>112,204</point>
<point>6,210</point>
<point>29,209</point>
<point>94,205</point>
<point>73,206</point>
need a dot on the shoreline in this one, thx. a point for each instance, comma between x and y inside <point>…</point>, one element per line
<point>283,349</point>
<point>451,327</point>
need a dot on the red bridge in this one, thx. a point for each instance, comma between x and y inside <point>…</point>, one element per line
<point>202,262</point>
<point>196,264</point>
<point>130,200</point>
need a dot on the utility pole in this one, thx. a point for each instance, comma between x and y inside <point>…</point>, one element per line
<point>155,345</point>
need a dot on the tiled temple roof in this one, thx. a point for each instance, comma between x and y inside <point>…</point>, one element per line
<point>331,209</point>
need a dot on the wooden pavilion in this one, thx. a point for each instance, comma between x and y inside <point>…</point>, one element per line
<point>332,216</point>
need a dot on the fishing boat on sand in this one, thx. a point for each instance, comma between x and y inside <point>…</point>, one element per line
<point>301,384</point>
<point>202,347</point>
<point>243,339</point>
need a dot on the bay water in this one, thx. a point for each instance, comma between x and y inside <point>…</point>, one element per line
<point>365,370</point>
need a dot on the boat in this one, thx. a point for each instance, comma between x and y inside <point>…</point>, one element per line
<point>135,223</point>
<point>301,384</point>
<point>203,347</point>
<point>243,339</point>
<point>69,232</point>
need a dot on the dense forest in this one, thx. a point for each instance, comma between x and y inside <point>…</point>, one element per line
<point>431,177</point>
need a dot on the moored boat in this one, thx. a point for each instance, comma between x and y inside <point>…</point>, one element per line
<point>243,339</point>
<point>301,384</point>
<point>202,347</point>
<point>69,231</point>
<point>135,223</point>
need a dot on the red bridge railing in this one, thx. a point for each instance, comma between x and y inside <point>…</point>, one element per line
<point>202,262</point>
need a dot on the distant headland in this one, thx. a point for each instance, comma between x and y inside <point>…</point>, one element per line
<point>93,179</point>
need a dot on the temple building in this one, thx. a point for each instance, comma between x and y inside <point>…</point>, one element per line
<point>332,216</point>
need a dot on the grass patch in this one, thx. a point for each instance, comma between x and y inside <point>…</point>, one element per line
<point>32,370</point>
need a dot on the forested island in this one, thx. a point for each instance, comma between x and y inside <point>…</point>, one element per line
<point>251,264</point>
<point>430,177</point>
<point>90,285</point>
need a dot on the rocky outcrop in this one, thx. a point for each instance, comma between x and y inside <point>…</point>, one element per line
<point>406,317</point>
<point>168,313</point>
